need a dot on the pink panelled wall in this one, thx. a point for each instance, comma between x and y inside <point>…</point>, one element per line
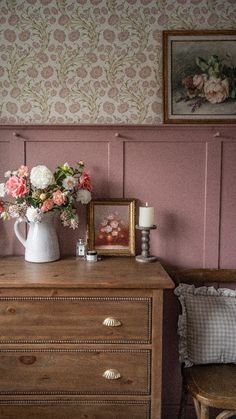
<point>188,173</point>
<point>185,172</point>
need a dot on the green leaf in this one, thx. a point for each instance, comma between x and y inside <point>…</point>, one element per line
<point>212,73</point>
<point>217,68</point>
<point>202,63</point>
<point>213,60</point>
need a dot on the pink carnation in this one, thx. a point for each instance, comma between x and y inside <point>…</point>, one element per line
<point>85,182</point>
<point>47,205</point>
<point>58,197</point>
<point>16,186</point>
<point>23,171</point>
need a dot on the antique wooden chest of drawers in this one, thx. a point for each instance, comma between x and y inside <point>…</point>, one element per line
<point>81,340</point>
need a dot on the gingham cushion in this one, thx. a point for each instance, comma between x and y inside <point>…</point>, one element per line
<point>207,325</point>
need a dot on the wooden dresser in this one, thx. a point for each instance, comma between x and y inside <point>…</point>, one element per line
<point>81,340</point>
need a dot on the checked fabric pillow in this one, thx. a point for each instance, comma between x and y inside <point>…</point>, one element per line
<point>207,325</point>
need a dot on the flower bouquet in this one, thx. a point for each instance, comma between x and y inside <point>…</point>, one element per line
<point>113,231</point>
<point>34,193</point>
<point>214,82</point>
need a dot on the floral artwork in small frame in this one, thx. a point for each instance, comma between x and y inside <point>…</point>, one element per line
<point>111,227</point>
<point>199,76</point>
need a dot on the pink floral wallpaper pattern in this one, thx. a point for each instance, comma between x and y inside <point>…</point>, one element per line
<point>92,61</point>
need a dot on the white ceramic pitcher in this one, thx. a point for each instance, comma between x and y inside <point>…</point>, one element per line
<point>41,244</point>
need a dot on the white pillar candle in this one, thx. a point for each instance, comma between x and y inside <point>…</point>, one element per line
<point>146,216</point>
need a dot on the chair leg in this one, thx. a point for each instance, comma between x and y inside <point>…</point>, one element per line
<point>201,410</point>
<point>197,406</point>
<point>226,414</point>
<point>204,412</point>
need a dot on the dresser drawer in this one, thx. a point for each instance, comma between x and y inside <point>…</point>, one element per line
<point>69,409</point>
<point>75,320</point>
<point>74,371</point>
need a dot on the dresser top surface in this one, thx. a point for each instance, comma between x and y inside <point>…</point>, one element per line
<point>70,272</point>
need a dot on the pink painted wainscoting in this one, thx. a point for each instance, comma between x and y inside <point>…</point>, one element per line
<point>188,173</point>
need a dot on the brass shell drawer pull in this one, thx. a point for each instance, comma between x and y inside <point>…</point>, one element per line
<point>111,374</point>
<point>111,322</point>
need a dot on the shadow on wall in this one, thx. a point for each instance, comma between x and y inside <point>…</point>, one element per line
<point>171,231</point>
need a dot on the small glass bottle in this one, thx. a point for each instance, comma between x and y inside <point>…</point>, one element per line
<point>81,248</point>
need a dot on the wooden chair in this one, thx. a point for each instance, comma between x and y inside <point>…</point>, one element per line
<point>212,385</point>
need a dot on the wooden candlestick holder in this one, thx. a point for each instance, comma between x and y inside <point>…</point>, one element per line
<point>145,256</point>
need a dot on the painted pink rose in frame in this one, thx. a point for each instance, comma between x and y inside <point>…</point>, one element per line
<point>200,76</point>
<point>214,86</point>
<point>216,90</point>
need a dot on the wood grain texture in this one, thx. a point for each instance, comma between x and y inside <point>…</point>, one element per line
<point>72,371</point>
<point>74,319</point>
<point>73,273</point>
<point>203,275</point>
<point>54,348</point>
<point>81,410</point>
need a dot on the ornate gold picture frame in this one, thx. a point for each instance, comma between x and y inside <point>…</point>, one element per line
<point>111,226</point>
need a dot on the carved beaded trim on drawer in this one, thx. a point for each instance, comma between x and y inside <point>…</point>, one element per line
<point>78,341</point>
<point>62,393</point>
<point>74,402</point>
<point>76,298</point>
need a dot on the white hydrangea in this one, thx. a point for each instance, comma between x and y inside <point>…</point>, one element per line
<point>83,196</point>
<point>33,214</point>
<point>7,174</point>
<point>41,177</point>
<point>2,190</point>
<point>69,183</point>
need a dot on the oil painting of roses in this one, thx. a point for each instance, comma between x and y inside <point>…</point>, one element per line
<point>199,76</point>
<point>111,227</point>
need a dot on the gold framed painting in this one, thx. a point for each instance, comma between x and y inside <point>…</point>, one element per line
<point>199,75</point>
<point>111,226</point>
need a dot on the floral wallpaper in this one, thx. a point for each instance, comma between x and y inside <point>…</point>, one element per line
<point>92,61</point>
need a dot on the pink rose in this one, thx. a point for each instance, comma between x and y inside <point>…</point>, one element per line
<point>47,205</point>
<point>85,182</point>
<point>216,90</point>
<point>188,82</point>
<point>58,197</point>
<point>23,171</point>
<point>191,90</point>
<point>199,80</point>
<point>16,186</point>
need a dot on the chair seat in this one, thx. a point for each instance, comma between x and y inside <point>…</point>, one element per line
<point>212,385</point>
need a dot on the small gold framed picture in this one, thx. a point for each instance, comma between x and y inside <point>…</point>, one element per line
<point>111,226</point>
